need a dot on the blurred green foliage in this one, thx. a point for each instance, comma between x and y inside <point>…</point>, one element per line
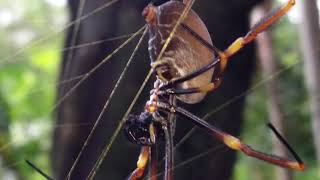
<point>28,73</point>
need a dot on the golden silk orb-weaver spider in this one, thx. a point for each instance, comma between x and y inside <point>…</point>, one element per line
<point>187,68</point>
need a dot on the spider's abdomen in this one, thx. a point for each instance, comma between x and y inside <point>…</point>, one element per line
<point>185,54</point>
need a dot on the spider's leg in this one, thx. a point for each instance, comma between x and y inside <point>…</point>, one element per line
<point>223,56</point>
<point>141,163</point>
<point>38,170</point>
<point>153,165</point>
<point>168,129</point>
<point>200,71</point>
<point>145,154</point>
<point>235,143</point>
<point>264,23</point>
<point>206,88</point>
<point>205,43</point>
<point>168,154</point>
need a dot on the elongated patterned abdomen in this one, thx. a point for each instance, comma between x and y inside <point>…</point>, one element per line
<point>185,54</point>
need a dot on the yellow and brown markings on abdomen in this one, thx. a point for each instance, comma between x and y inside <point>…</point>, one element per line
<point>185,54</point>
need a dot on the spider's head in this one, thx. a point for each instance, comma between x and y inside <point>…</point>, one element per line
<point>137,129</point>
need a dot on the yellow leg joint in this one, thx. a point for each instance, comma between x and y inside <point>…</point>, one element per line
<point>232,142</point>
<point>143,158</point>
<point>223,61</point>
<point>297,166</point>
<point>235,47</point>
<point>292,2</point>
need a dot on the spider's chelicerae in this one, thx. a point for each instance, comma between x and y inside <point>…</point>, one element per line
<point>189,67</point>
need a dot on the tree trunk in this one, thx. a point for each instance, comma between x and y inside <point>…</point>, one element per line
<point>269,68</point>
<point>310,38</point>
<point>226,20</point>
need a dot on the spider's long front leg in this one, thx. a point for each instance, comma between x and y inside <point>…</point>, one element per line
<point>234,143</point>
<point>238,44</point>
<point>264,23</point>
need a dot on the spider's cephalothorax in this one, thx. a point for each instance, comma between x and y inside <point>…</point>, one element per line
<point>144,128</point>
<point>141,130</point>
<point>185,54</point>
<point>137,129</point>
